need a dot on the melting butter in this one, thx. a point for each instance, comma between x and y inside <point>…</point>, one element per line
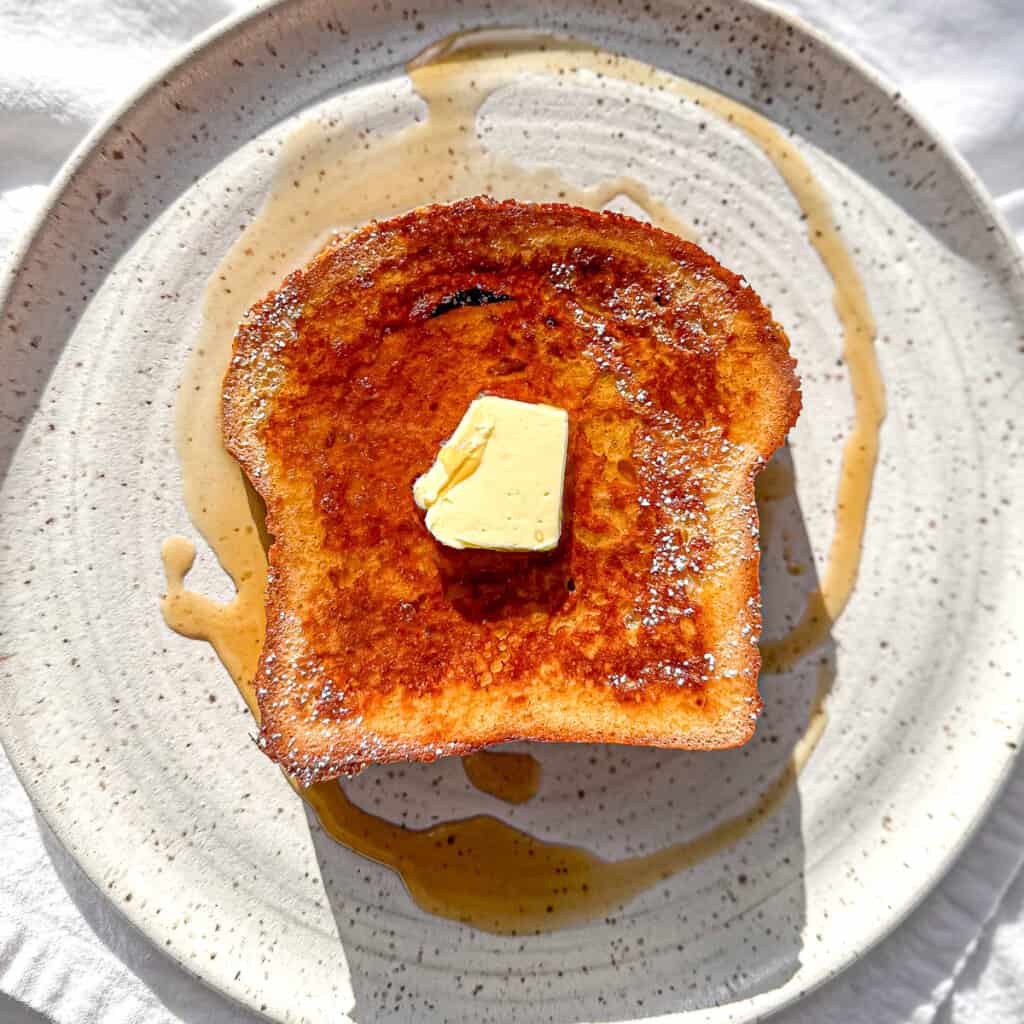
<point>498,480</point>
<point>459,458</point>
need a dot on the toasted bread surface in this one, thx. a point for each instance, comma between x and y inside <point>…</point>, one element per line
<point>642,626</point>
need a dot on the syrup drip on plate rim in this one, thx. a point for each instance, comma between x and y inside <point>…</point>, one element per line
<point>480,870</point>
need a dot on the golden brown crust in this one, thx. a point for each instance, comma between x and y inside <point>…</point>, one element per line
<point>642,626</point>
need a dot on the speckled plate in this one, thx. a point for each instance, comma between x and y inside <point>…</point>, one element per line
<point>131,739</point>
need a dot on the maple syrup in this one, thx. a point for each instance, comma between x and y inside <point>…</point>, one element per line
<point>480,870</point>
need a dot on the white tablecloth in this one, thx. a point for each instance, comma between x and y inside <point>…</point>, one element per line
<point>66,954</point>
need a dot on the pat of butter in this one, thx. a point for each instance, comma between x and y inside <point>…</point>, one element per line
<point>497,482</point>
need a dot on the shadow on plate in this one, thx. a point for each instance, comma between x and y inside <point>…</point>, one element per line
<point>725,924</point>
<point>184,996</point>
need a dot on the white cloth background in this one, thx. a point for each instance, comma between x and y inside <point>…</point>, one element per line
<point>67,956</point>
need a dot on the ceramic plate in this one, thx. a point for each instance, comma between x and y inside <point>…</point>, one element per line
<point>132,740</point>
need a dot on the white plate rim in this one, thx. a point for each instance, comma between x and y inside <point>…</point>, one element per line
<point>179,63</point>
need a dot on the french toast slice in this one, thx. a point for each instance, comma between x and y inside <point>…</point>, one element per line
<point>641,627</point>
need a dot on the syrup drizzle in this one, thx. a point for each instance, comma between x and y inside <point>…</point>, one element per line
<point>480,870</point>
<point>514,778</point>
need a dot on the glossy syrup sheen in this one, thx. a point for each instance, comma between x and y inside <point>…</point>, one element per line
<point>564,884</point>
<point>488,874</point>
<point>512,777</point>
